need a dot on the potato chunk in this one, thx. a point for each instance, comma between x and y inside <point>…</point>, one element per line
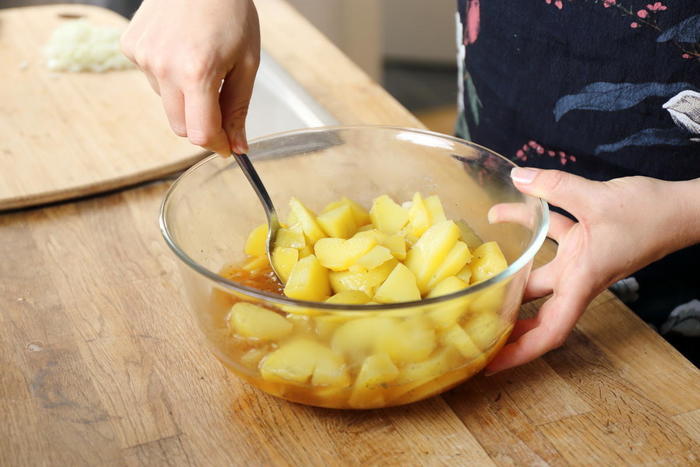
<point>400,286</point>
<point>455,260</point>
<point>374,258</point>
<point>349,297</point>
<point>256,322</point>
<point>413,340</point>
<point>292,237</point>
<point>447,314</point>
<point>284,260</point>
<point>338,222</point>
<point>456,337</point>
<point>388,216</point>
<point>305,217</point>
<point>428,253</point>
<point>488,261</point>
<point>366,282</point>
<point>359,213</point>
<point>337,254</point>
<point>434,206</point>
<point>484,328</point>
<point>255,244</point>
<point>308,281</point>
<point>358,338</point>
<point>418,217</point>
<point>467,235</point>
<point>302,360</point>
<point>376,371</point>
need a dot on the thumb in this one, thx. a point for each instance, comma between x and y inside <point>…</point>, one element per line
<point>235,98</point>
<point>554,186</point>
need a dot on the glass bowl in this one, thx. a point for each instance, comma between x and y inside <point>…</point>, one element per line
<point>331,357</point>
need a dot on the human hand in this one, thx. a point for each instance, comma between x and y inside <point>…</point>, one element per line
<point>186,50</point>
<point>623,225</point>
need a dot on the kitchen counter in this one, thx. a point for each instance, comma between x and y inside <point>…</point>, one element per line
<point>101,362</point>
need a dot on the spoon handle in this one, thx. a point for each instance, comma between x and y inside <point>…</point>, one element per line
<point>254,179</point>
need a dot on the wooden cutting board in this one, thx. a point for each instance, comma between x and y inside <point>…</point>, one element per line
<point>65,135</point>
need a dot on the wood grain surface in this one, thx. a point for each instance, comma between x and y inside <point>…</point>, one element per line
<point>102,364</point>
<point>64,135</point>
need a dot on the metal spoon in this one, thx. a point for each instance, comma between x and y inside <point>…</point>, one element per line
<point>273,223</point>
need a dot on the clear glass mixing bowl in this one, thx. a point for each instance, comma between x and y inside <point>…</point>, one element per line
<point>209,211</point>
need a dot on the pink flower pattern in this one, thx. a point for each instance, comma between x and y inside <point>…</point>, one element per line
<point>640,19</point>
<point>534,149</point>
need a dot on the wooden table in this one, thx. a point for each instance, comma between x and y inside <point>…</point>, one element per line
<point>100,361</point>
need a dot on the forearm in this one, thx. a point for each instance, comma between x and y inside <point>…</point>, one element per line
<point>684,199</point>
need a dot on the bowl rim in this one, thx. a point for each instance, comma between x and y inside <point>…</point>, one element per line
<point>520,262</point>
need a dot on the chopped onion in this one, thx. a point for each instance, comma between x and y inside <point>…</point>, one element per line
<point>79,46</point>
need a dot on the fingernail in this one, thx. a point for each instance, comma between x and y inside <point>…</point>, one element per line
<point>491,217</point>
<point>523,175</point>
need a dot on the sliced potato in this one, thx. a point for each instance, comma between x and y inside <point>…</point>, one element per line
<point>428,253</point>
<point>399,286</point>
<point>308,281</point>
<point>253,321</point>
<point>284,260</point>
<point>487,262</point>
<point>255,244</point>
<point>387,216</point>
<point>338,222</point>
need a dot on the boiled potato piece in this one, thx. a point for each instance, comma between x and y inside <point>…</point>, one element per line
<point>366,282</point>
<point>465,274</point>
<point>337,254</point>
<point>487,262</point>
<point>428,253</point>
<point>484,328</point>
<point>456,337</point>
<point>338,222</point>
<point>434,206</point>
<point>374,258</point>
<point>349,297</point>
<point>256,322</point>
<point>330,369</point>
<point>419,373</point>
<point>418,217</point>
<point>308,281</point>
<point>306,218</point>
<point>255,244</point>
<point>284,260</point>
<point>395,243</point>
<point>400,286</point>
<point>359,338</point>
<point>291,237</point>
<point>413,340</point>
<point>387,216</point>
<point>359,213</point>
<point>298,360</point>
<point>256,263</point>
<point>252,358</point>
<point>376,371</point>
<point>455,260</point>
<point>447,314</point>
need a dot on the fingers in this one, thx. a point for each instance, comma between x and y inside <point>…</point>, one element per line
<point>559,226</point>
<point>518,213</point>
<point>203,118</point>
<point>554,322</point>
<point>235,99</point>
<point>174,105</point>
<point>541,281</point>
<point>559,188</point>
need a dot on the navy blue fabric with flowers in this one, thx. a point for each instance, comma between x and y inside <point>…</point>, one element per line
<point>600,88</point>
